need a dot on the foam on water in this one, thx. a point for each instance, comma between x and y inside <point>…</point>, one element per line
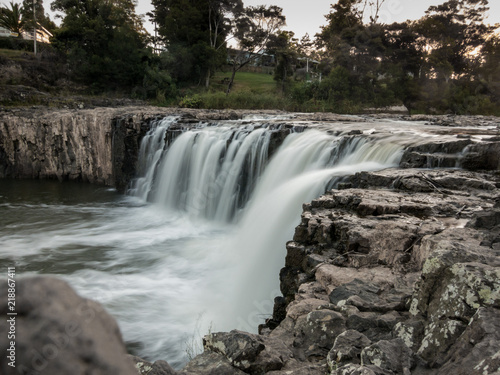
<point>200,243</point>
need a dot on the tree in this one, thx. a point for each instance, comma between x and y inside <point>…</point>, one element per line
<point>453,30</point>
<point>222,16</point>
<point>12,19</point>
<point>195,33</point>
<point>39,14</point>
<point>253,31</point>
<point>356,47</point>
<point>183,28</point>
<point>104,42</point>
<point>490,69</point>
<point>285,50</point>
<point>403,62</point>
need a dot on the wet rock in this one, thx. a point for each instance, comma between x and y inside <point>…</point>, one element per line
<point>393,356</point>
<point>434,154</point>
<point>482,156</point>
<point>347,348</point>
<point>159,367</point>
<point>210,363</point>
<point>58,332</point>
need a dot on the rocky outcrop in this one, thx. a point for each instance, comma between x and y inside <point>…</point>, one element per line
<point>395,273</point>
<point>57,332</point>
<point>410,263</point>
<point>97,146</point>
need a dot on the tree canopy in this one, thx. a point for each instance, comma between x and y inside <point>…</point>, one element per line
<point>103,40</point>
<point>448,60</point>
<point>254,29</point>
<point>12,18</point>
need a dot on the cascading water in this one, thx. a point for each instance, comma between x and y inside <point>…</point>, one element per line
<point>212,172</point>
<point>199,241</point>
<point>207,172</point>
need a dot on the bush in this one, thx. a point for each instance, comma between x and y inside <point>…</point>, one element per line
<point>16,44</point>
<point>194,101</point>
<point>158,83</point>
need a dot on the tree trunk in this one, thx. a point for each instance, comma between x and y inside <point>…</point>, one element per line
<point>231,80</point>
<point>207,79</point>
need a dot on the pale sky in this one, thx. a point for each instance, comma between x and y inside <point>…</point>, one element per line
<point>307,16</point>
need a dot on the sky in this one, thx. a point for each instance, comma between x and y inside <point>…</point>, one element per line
<point>308,16</point>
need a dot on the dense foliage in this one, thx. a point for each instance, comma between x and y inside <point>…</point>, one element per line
<point>103,41</point>
<point>447,61</point>
<point>434,64</point>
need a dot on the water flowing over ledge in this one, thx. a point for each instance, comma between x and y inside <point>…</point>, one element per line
<point>207,250</point>
<point>222,174</point>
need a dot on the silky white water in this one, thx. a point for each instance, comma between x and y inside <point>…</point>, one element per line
<point>198,244</point>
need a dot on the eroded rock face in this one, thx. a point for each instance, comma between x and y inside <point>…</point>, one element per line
<point>396,273</point>
<point>96,146</point>
<point>99,145</point>
<point>58,332</point>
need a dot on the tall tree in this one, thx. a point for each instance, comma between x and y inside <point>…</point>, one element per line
<point>357,47</point>
<point>38,15</point>
<point>253,30</point>
<point>222,17</point>
<point>104,41</point>
<point>453,30</point>
<point>195,34</point>
<point>403,62</point>
<point>12,18</point>
<point>284,47</point>
<point>490,69</point>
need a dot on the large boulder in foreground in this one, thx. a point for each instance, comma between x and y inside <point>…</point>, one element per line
<point>59,332</point>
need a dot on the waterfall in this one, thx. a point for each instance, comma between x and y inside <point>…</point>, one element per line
<point>223,174</point>
<point>150,152</point>
<point>207,172</point>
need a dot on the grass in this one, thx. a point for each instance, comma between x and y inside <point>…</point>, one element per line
<point>250,91</point>
<point>245,81</point>
<point>14,54</point>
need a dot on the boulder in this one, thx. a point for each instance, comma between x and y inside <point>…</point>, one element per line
<point>248,352</point>
<point>347,348</point>
<point>393,356</point>
<point>59,332</point>
<point>159,367</point>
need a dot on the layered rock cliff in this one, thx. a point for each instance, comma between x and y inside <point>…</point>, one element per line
<point>96,146</point>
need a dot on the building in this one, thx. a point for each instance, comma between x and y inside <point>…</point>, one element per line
<point>42,34</point>
<point>5,33</point>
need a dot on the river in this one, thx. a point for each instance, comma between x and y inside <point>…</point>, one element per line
<point>198,242</point>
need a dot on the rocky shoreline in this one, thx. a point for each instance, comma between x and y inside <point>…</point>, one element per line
<point>392,272</point>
